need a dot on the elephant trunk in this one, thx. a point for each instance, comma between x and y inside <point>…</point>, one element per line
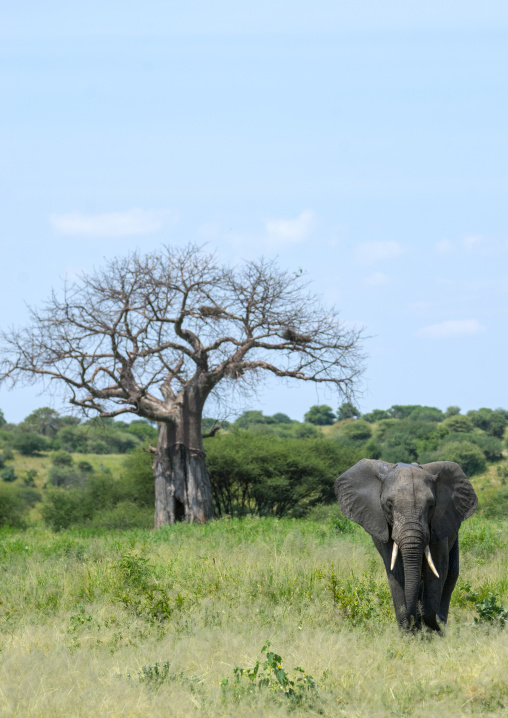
<point>412,548</point>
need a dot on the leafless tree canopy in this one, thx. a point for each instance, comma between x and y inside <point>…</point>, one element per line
<point>131,337</point>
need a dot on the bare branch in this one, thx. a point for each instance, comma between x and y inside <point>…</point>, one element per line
<point>145,331</point>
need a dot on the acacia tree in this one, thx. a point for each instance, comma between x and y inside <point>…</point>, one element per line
<point>157,335</point>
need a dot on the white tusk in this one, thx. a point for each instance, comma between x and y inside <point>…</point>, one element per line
<point>431,562</point>
<point>394,555</point>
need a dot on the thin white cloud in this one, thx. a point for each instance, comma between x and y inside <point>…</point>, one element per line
<point>445,246</point>
<point>378,279</point>
<point>451,329</point>
<point>111,224</point>
<point>473,242</point>
<point>290,231</point>
<point>372,252</point>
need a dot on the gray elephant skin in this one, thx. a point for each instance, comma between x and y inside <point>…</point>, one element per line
<point>413,514</point>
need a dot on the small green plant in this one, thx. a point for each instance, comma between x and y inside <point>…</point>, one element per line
<point>79,619</point>
<point>154,674</point>
<point>29,477</point>
<point>486,603</point>
<point>358,598</point>
<point>342,525</point>
<point>141,592</point>
<point>490,611</point>
<point>269,675</point>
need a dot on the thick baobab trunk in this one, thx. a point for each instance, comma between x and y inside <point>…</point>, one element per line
<point>182,482</point>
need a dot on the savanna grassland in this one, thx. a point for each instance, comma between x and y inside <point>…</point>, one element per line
<point>137,623</point>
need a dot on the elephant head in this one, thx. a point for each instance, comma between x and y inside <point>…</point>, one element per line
<point>410,504</point>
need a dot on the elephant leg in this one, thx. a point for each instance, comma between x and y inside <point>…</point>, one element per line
<point>395,581</point>
<point>433,587</point>
<point>451,580</point>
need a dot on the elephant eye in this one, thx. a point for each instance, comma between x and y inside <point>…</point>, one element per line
<point>389,505</point>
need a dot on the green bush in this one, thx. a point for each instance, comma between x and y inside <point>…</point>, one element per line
<point>491,447</point>
<point>459,424</point>
<point>65,476</point>
<point>30,444</point>
<point>357,430</point>
<point>8,454</point>
<point>254,473</point>
<point>490,421</point>
<point>8,474</point>
<point>125,515</point>
<point>62,509</point>
<point>469,457</point>
<point>375,415</point>
<point>15,502</point>
<point>61,458</point>
<point>320,415</point>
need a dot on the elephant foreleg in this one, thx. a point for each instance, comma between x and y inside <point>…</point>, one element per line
<point>395,581</point>
<point>433,586</point>
<point>451,580</point>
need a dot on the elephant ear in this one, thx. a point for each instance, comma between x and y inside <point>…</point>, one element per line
<point>455,498</point>
<point>358,492</point>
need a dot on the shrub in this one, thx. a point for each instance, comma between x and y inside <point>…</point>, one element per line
<point>357,431</point>
<point>8,474</point>
<point>61,458</point>
<point>347,411</point>
<point>29,477</point>
<point>459,424</point>
<point>30,444</point>
<point>65,476</point>
<point>320,415</point>
<point>490,421</point>
<point>15,503</point>
<point>8,454</point>
<point>426,413</point>
<point>469,457</point>
<point>375,415</point>
<point>254,473</point>
<point>125,515</point>
<point>62,509</point>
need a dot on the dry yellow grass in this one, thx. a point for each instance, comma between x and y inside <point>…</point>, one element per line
<point>79,615</point>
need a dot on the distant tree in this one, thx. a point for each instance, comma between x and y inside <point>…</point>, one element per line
<point>280,418</point>
<point>400,411</point>
<point>61,458</point>
<point>452,411</point>
<point>490,421</point>
<point>30,444</point>
<point>469,456</point>
<point>2,418</point>
<point>348,411</point>
<point>253,416</point>
<point>320,415</point>
<point>426,413</point>
<point>156,335</point>
<point>459,424</point>
<point>43,421</point>
<point>357,431</point>
<point>375,415</point>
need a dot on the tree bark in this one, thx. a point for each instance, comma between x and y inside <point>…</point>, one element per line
<point>182,482</point>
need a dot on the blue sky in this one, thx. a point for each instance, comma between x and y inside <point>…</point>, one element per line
<point>363,142</point>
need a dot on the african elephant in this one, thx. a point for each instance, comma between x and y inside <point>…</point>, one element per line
<point>412,511</point>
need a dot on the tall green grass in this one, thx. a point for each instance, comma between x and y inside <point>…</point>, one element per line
<point>160,623</point>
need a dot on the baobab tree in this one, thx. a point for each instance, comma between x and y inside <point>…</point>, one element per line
<point>156,335</point>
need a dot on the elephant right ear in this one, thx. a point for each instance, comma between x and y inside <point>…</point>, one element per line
<point>358,492</point>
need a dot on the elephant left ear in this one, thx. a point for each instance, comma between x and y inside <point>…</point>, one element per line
<point>456,500</point>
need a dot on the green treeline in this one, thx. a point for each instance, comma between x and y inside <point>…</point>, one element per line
<point>96,473</point>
